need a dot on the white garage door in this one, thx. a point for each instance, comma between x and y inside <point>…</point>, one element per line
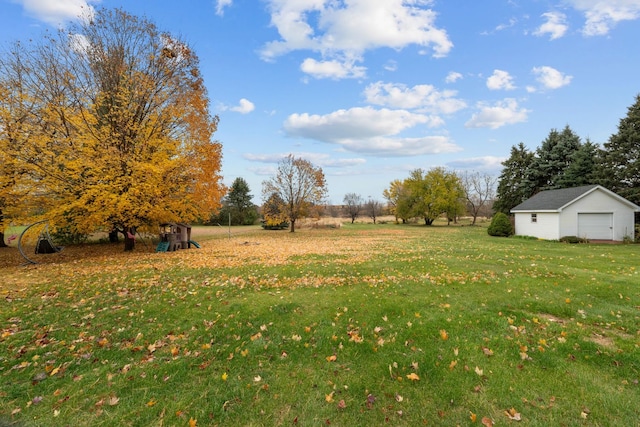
<point>595,226</point>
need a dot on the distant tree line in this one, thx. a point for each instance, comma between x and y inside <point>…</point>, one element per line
<point>561,161</point>
<point>564,161</point>
<point>429,194</point>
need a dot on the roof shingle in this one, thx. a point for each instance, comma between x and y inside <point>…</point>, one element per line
<point>552,200</point>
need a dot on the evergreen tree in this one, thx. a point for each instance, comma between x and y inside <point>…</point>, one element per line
<point>583,167</point>
<point>511,190</point>
<point>551,160</point>
<point>621,161</point>
<point>237,207</point>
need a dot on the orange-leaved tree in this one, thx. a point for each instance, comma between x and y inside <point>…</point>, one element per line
<point>122,134</point>
<point>299,185</point>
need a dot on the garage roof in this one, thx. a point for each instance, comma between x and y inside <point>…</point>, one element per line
<point>555,200</point>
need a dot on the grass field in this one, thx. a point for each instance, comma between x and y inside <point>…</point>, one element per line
<point>358,326</point>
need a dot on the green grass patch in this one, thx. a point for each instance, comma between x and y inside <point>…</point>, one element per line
<point>363,325</point>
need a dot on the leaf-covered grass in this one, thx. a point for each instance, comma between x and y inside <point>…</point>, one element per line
<point>363,325</point>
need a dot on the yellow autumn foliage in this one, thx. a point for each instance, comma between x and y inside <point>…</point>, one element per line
<point>113,132</point>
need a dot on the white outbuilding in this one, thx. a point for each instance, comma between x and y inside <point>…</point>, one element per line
<point>591,212</point>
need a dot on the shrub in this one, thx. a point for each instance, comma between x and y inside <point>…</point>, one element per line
<point>500,226</point>
<point>573,239</point>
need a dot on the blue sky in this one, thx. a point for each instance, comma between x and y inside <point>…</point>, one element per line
<point>372,89</point>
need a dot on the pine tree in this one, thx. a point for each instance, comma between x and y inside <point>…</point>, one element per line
<point>583,167</point>
<point>511,190</point>
<point>551,160</point>
<point>237,207</point>
<point>621,161</point>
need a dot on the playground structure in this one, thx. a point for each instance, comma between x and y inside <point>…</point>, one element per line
<point>175,236</point>
<point>36,239</point>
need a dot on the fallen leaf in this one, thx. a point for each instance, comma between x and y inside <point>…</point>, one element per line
<point>472,417</point>
<point>413,376</point>
<point>444,335</point>
<point>331,358</point>
<point>224,376</point>
<point>113,400</point>
<point>487,422</point>
<point>479,371</point>
<point>513,414</point>
<point>193,422</point>
<point>329,397</point>
<point>151,403</point>
<point>342,404</point>
<point>487,351</point>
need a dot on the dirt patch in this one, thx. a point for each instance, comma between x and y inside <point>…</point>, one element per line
<point>553,319</point>
<point>602,340</point>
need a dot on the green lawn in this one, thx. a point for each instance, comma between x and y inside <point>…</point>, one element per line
<point>358,326</point>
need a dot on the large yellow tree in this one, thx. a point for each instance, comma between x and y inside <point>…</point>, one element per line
<point>120,134</point>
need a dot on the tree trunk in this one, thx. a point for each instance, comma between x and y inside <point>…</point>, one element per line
<point>129,239</point>
<point>293,226</point>
<point>113,236</point>
<point>2,243</point>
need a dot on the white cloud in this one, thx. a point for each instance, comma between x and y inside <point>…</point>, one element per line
<point>348,29</point>
<point>221,4</point>
<point>332,69</point>
<point>550,78</point>
<point>485,163</point>
<point>426,98</point>
<point>555,26</point>
<point>56,12</point>
<point>453,77</point>
<point>369,130</point>
<point>391,65</point>
<point>400,147</point>
<point>505,112</point>
<point>500,80</point>
<point>501,27</point>
<point>511,23</point>
<point>244,107</point>
<point>318,159</point>
<point>601,16</point>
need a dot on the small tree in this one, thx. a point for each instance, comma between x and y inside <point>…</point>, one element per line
<point>394,195</point>
<point>373,208</point>
<point>237,205</point>
<point>273,214</point>
<point>500,226</point>
<point>353,205</point>
<point>479,189</point>
<point>299,184</point>
<point>431,193</point>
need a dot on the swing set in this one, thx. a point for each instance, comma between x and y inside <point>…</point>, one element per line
<point>36,239</point>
